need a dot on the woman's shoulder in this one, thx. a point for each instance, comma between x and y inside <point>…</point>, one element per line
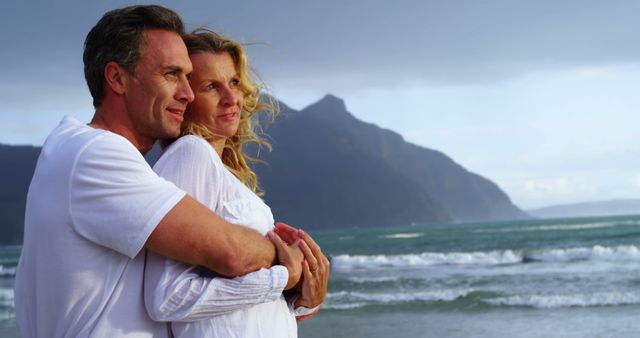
<point>191,148</point>
<point>189,144</point>
<point>190,141</point>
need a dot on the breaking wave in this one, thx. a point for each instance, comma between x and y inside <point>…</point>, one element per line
<point>4,271</point>
<point>595,253</point>
<point>403,235</point>
<point>554,227</point>
<point>468,298</point>
<point>6,297</point>
<point>351,262</point>
<point>574,300</point>
<point>352,299</point>
<point>374,279</point>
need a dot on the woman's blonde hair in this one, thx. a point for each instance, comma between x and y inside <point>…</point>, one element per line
<point>233,155</point>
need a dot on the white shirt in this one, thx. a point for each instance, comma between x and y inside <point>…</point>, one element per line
<point>92,203</point>
<point>199,303</point>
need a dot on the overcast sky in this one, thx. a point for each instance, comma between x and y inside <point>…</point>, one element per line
<point>542,97</point>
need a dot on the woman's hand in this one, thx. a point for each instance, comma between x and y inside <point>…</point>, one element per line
<point>315,267</point>
<point>289,255</point>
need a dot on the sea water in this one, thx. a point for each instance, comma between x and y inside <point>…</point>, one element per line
<point>542,278</point>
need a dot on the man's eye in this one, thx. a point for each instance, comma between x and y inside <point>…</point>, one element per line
<point>211,86</point>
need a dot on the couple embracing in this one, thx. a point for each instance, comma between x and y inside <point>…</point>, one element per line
<point>114,249</point>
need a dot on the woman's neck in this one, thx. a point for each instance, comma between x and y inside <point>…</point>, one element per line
<point>218,145</point>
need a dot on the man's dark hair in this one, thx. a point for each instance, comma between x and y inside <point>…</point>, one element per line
<point>118,37</point>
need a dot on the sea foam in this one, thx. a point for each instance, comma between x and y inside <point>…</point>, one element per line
<point>6,297</point>
<point>367,262</point>
<point>595,253</point>
<point>403,235</point>
<point>354,299</point>
<point>7,315</point>
<point>377,262</point>
<point>374,279</point>
<point>554,227</point>
<point>4,271</point>
<point>574,300</point>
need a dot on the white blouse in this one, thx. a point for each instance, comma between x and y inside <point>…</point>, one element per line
<point>194,299</point>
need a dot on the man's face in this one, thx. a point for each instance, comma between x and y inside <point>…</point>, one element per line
<point>157,92</point>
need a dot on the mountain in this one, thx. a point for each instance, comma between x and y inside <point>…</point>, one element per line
<point>590,209</point>
<point>327,169</point>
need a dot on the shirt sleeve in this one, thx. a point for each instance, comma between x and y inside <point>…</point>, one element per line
<point>189,164</point>
<point>116,200</point>
<point>300,312</point>
<point>175,291</point>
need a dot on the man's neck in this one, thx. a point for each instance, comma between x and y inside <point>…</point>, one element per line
<point>121,126</point>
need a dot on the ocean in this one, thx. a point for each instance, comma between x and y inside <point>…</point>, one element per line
<point>540,278</point>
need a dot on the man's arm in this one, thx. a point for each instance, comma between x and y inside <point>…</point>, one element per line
<point>175,291</point>
<point>193,234</point>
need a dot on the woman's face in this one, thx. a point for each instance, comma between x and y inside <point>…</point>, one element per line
<point>218,98</point>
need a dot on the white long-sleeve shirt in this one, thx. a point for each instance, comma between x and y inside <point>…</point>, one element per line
<point>195,300</point>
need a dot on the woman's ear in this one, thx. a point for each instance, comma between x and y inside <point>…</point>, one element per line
<point>116,77</point>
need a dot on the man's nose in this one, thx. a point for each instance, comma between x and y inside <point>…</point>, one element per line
<point>185,93</point>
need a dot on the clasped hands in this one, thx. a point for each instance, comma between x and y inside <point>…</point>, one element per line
<point>311,276</point>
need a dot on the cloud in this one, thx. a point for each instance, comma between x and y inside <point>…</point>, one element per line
<point>437,41</point>
<point>531,190</point>
<point>544,191</point>
<point>559,186</point>
<point>362,42</point>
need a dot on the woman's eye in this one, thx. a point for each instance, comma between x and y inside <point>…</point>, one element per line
<point>235,82</point>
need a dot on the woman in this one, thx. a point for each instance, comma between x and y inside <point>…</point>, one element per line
<point>209,163</point>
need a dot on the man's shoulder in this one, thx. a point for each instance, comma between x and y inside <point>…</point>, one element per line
<point>72,136</point>
<point>73,145</point>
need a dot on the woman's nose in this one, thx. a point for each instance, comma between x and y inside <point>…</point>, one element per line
<point>230,96</point>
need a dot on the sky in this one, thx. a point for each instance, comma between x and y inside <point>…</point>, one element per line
<point>539,96</point>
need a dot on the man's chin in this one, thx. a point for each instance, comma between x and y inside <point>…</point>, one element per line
<point>171,133</point>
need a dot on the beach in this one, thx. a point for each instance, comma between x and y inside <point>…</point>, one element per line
<point>512,323</point>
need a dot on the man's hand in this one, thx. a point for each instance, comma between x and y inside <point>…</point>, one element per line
<point>315,268</point>
<point>289,255</point>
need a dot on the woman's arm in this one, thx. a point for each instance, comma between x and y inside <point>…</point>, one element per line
<point>175,291</point>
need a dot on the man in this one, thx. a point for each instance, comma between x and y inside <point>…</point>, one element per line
<point>94,204</point>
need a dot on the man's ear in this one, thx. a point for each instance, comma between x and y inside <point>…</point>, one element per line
<point>116,77</point>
